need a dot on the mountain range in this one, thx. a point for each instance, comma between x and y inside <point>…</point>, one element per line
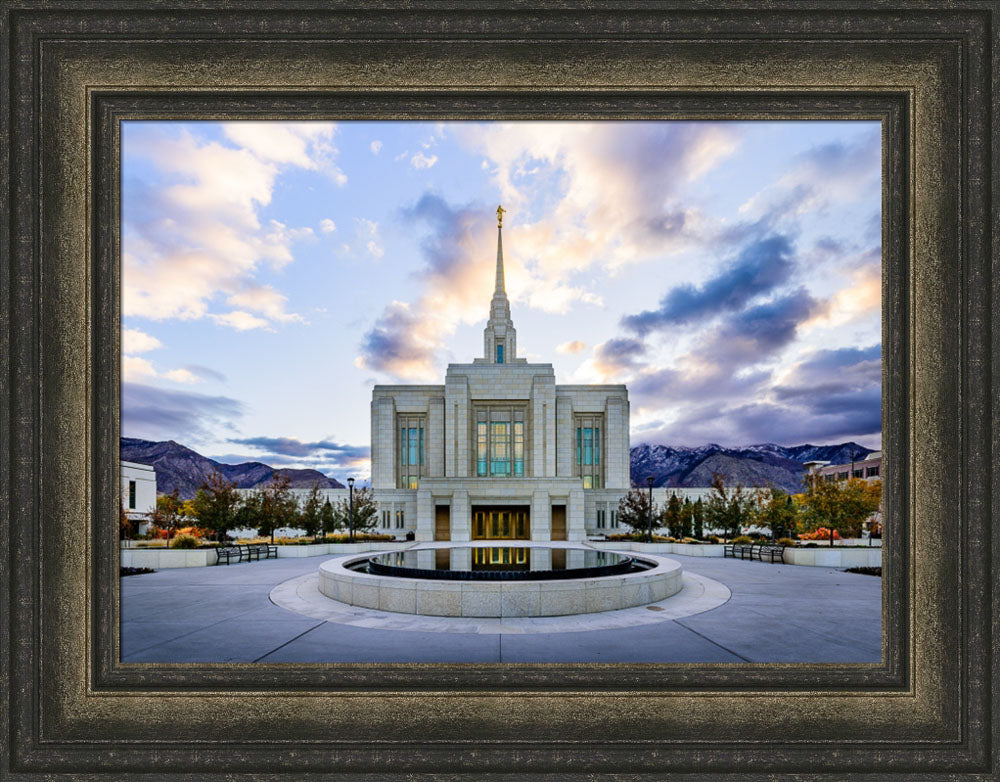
<point>179,467</point>
<point>752,465</point>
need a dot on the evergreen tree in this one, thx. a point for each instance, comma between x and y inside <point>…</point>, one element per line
<point>672,517</point>
<point>698,517</point>
<point>365,511</point>
<point>310,515</point>
<point>634,510</point>
<point>328,519</point>
<point>215,504</point>
<point>278,506</point>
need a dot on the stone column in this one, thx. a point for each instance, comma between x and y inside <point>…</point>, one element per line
<point>383,443</point>
<point>461,516</point>
<point>541,516</point>
<point>435,438</point>
<point>565,437</point>
<point>425,515</point>
<point>575,527</point>
<point>616,458</point>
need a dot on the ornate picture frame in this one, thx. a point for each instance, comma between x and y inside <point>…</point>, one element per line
<point>76,70</point>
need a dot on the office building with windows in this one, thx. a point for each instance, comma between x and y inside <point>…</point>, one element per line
<point>500,450</point>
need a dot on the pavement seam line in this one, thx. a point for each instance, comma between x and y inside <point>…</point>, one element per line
<point>296,638</point>
<point>724,648</point>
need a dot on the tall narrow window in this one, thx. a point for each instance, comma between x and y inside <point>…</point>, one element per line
<point>499,354</point>
<point>500,448</point>
<point>481,448</point>
<point>131,495</point>
<point>588,450</point>
<point>411,451</point>
<point>518,448</point>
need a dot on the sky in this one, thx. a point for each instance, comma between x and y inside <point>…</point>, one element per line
<point>273,272</point>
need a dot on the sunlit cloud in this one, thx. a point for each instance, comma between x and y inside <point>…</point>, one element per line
<point>199,233</point>
<point>573,346</point>
<point>241,321</point>
<point>376,147</point>
<point>420,160</point>
<point>136,341</point>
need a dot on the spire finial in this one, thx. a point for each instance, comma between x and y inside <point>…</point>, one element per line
<point>500,211</point>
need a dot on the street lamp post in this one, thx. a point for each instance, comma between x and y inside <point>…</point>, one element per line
<point>350,491</point>
<point>649,482</point>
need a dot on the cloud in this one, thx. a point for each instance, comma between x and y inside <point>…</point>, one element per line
<point>135,341</point>
<point>620,186</point>
<point>327,226</point>
<point>827,395</point>
<point>205,373</point>
<point>241,321</point>
<point>134,368</point>
<point>194,230</point>
<point>376,147</point>
<point>401,343</point>
<point>420,160</point>
<point>264,300</point>
<point>290,446</point>
<point>454,285</point>
<point>307,145</point>
<point>327,456</point>
<point>618,356</point>
<point>759,268</point>
<point>575,346</point>
<point>181,376</point>
<point>159,414</point>
<point>832,172</point>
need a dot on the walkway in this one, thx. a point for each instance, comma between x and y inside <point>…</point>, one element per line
<point>777,613</point>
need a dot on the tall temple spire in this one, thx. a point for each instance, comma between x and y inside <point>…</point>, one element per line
<point>500,282</point>
<point>499,336</point>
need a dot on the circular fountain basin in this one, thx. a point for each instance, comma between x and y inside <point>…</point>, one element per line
<point>498,581</point>
<point>501,563</point>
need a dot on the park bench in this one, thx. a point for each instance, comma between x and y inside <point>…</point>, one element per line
<point>265,550</point>
<point>773,553</point>
<point>251,552</point>
<point>227,553</point>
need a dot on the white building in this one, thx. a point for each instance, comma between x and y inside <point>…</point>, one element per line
<point>500,450</point>
<point>138,487</point>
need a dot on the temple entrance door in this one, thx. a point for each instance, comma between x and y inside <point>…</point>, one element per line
<point>442,522</point>
<point>509,522</point>
<point>558,522</point>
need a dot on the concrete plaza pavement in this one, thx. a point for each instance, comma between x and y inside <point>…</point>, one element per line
<point>776,613</point>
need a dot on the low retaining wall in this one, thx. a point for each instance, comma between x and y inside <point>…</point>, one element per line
<point>163,558</point>
<point>429,597</point>
<point>687,549</point>
<point>836,557</point>
<point>319,549</point>
<point>822,556</point>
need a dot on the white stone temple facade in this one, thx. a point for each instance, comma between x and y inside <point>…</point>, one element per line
<point>500,450</point>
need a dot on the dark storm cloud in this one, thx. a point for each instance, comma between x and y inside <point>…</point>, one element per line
<point>760,267</point>
<point>618,355</point>
<point>833,372</point>
<point>832,395</point>
<point>159,414</point>
<point>443,249</point>
<point>390,344</point>
<point>289,448</point>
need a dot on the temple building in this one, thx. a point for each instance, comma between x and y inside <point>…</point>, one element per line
<point>500,450</point>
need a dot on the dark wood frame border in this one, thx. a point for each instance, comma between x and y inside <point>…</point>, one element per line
<point>73,70</point>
